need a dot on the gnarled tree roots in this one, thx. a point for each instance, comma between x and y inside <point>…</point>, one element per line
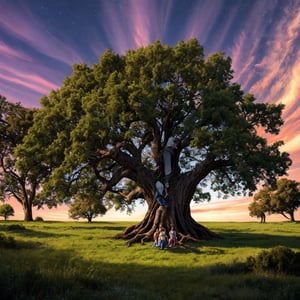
<point>187,230</point>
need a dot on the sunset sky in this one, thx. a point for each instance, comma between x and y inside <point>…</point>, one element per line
<point>40,40</point>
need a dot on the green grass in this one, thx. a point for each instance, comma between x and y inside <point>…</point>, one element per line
<point>74,260</point>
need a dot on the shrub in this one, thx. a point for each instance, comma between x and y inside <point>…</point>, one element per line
<point>39,219</point>
<point>278,260</point>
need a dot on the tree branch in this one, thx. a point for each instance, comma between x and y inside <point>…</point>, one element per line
<point>132,195</point>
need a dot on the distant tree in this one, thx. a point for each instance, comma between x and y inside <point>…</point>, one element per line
<point>257,211</point>
<point>22,184</point>
<point>86,207</point>
<point>261,204</point>
<point>158,115</point>
<point>6,210</point>
<point>285,199</point>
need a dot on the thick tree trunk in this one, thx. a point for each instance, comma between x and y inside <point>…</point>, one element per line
<point>292,216</point>
<point>177,213</point>
<point>263,218</point>
<point>182,187</point>
<point>27,208</point>
<point>186,227</point>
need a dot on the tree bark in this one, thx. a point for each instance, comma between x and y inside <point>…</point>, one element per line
<point>292,216</point>
<point>177,213</point>
<point>26,202</point>
<point>27,208</point>
<point>182,187</point>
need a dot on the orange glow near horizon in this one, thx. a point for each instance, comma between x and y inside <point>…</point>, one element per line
<point>215,211</point>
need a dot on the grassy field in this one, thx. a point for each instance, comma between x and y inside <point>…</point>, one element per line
<point>75,260</point>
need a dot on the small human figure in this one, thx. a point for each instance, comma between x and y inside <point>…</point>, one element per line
<point>172,237</point>
<point>155,238</point>
<point>163,239</point>
<point>168,154</point>
<point>161,194</point>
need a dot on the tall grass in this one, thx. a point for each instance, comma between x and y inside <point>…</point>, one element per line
<point>74,260</point>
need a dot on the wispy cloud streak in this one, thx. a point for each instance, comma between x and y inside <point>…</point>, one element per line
<point>134,24</point>
<point>19,71</point>
<point>266,59</point>
<point>201,20</point>
<point>23,25</point>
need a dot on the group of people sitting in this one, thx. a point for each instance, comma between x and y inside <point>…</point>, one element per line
<point>162,240</point>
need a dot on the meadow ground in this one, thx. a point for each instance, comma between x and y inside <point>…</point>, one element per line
<point>76,260</point>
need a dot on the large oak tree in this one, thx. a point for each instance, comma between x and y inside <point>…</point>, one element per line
<point>108,126</point>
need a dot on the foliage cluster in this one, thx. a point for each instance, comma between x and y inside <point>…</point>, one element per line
<point>6,211</point>
<point>87,207</point>
<point>280,259</point>
<point>282,198</point>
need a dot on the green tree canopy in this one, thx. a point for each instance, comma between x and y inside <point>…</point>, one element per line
<point>261,204</point>
<point>111,123</point>
<point>286,198</point>
<point>86,207</point>
<point>283,198</point>
<point>6,210</point>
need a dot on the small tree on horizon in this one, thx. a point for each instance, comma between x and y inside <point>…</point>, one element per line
<point>112,123</point>
<point>6,210</point>
<point>256,211</point>
<point>86,207</point>
<point>282,198</point>
<point>261,204</point>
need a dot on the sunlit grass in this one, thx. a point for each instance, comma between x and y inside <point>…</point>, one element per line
<point>75,260</point>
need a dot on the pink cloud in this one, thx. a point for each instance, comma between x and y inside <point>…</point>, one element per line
<point>27,80</point>
<point>248,43</point>
<point>292,91</point>
<point>117,32</point>
<point>202,19</point>
<point>235,210</point>
<point>7,51</point>
<point>277,67</point>
<point>293,145</point>
<point>27,28</point>
<point>294,172</point>
<point>278,71</point>
<point>19,70</point>
<point>140,22</point>
<point>15,94</point>
<point>135,24</point>
<point>272,70</point>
